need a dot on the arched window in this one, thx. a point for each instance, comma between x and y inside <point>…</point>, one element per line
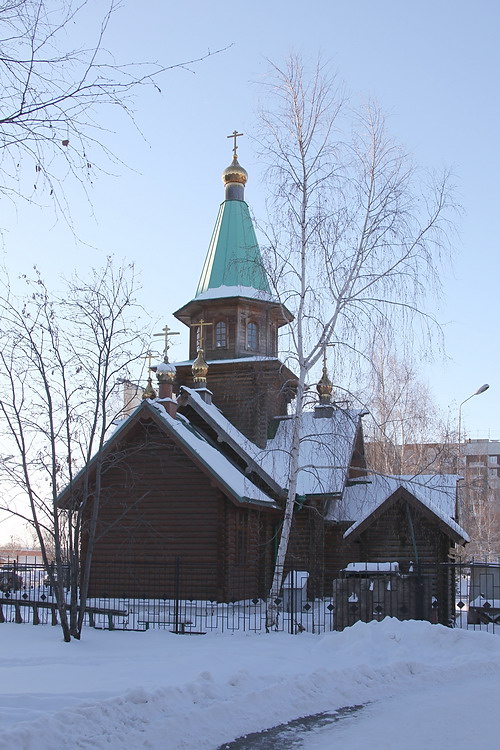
<point>220,335</point>
<point>252,335</point>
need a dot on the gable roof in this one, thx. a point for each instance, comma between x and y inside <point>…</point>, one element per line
<point>326,447</point>
<point>251,454</point>
<point>363,502</point>
<point>228,477</point>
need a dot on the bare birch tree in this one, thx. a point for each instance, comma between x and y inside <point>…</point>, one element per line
<point>405,432</point>
<point>358,234</point>
<point>62,357</point>
<point>481,518</point>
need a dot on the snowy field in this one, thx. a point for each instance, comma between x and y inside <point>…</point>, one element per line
<point>422,685</point>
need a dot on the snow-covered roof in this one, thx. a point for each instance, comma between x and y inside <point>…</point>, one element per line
<point>372,567</point>
<point>236,481</point>
<point>326,448</point>
<point>215,416</point>
<point>436,492</point>
<point>250,452</point>
<point>235,291</point>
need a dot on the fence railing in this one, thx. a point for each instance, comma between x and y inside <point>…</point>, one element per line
<point>187,599</point>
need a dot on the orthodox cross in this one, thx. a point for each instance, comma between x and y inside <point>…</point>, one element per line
<point>201,324</point>
<point>166,332</point>
<point>324,346</point>
<point>149,357</point>
<point>235,135</point>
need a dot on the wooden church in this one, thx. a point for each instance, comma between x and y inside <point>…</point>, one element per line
<point>196,476</point>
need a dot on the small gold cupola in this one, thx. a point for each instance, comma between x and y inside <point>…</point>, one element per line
<point>149,391</point>
<point>235,176</point>
<point>324,388</point>
<point>325,408</point>
<point>200,370</point>
<point>235,173</point>
<point>200,366</point>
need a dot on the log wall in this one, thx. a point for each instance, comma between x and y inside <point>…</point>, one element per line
<point>158,506</point>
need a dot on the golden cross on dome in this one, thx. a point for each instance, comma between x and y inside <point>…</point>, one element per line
<point>166,332</point>
<point>235,135</point>
<point>324,346</point>
<point>201,325</point>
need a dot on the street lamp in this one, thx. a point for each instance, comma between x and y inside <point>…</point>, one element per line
<point>482,389</point>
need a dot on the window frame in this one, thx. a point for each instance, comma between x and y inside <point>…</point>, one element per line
<point>254,327</point>
<point>221,325</point>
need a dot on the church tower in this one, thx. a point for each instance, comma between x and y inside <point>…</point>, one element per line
<point>234,320</point>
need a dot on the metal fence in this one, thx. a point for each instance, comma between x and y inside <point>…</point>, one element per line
<point>183,598</point>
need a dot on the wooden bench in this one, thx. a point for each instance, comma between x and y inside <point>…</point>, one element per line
<point>179,625</point>
<point>52,606</point>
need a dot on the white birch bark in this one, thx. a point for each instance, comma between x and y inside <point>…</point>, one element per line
<point>355,239</point>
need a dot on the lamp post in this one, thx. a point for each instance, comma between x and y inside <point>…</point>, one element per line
<point>480,390</point>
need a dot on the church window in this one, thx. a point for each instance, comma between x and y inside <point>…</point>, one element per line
<point>220,335</point>
<point>252,335</point>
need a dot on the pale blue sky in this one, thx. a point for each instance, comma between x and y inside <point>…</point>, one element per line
<point>433,66</point>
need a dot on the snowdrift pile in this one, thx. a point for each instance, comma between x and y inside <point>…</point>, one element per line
<point>158,690</point>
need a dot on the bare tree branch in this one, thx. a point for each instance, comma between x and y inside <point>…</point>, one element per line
<point>54,88</point>
<point>357,236</point>
<point>60,356</point>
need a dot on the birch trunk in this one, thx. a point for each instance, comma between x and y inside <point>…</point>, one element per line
<point>355,238</point>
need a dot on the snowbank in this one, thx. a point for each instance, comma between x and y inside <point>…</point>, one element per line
<point>158,690</point>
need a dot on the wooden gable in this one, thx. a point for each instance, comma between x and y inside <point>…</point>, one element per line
<point>403,497</point>
<point>161,506</point>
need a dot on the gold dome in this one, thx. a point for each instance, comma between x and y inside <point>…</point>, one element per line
<point>324,388</point>
<point>165,372</point>
<point>235,173</point>
<point>199,368</point>
<point>149,391</point>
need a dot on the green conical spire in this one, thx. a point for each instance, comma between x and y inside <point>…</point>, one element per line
<point>233,258</point>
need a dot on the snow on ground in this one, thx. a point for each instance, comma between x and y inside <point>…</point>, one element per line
<point>158,691</point>
<point>450,717</point>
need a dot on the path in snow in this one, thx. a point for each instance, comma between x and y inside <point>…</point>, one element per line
<point>462,715</point>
